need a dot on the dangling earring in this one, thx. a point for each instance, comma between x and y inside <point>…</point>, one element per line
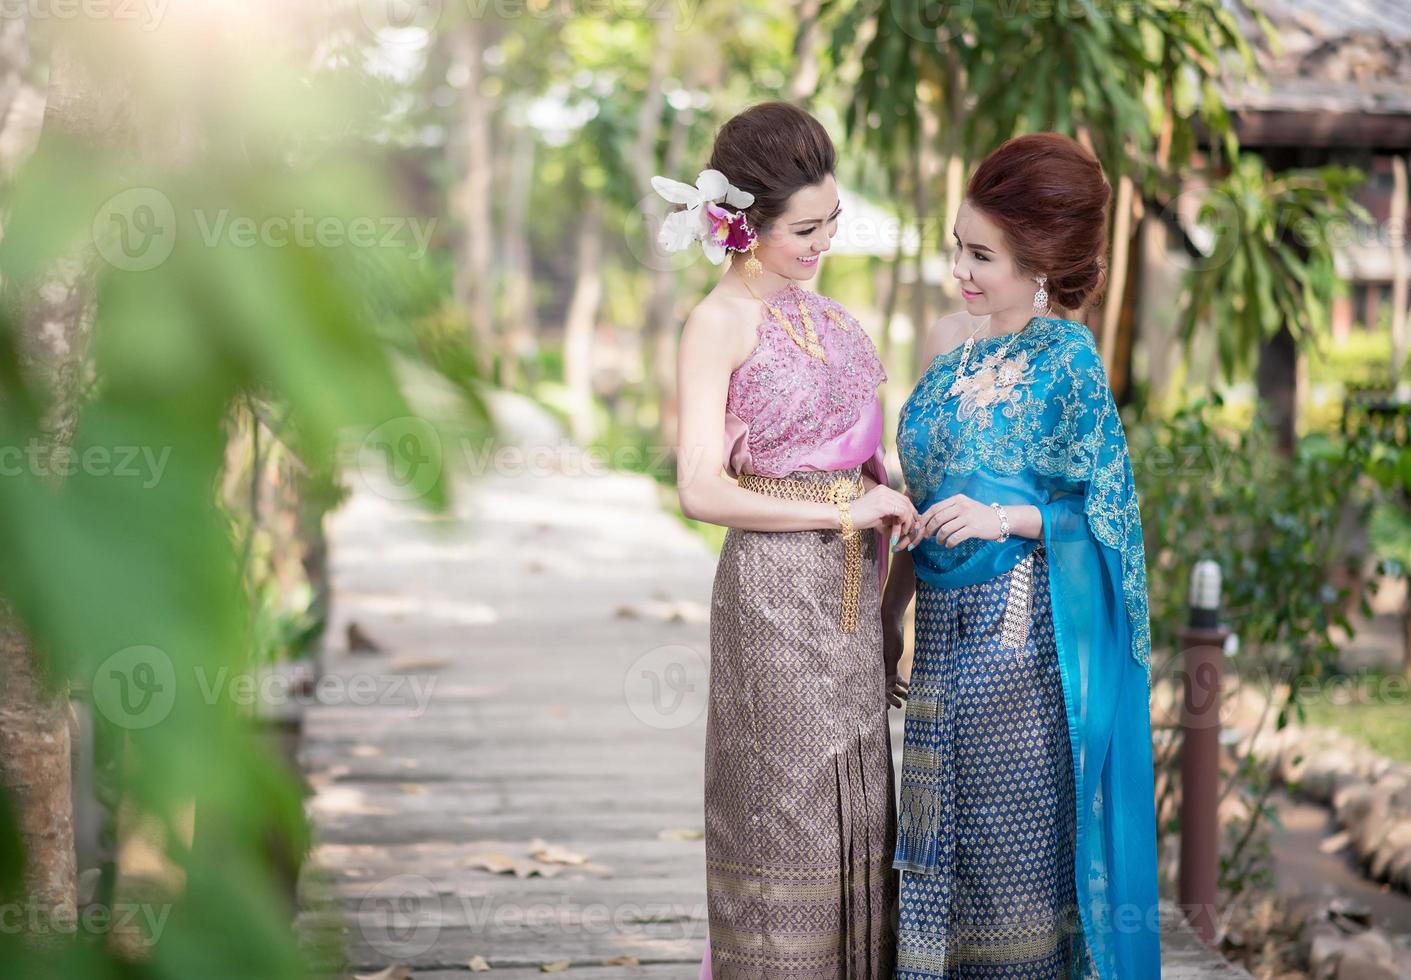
<point>1041,297</point>
<point>754,268</point>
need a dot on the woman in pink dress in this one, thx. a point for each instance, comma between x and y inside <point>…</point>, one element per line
<point>778,389</point>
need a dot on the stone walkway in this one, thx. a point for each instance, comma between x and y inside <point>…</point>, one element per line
<point>543,679</point>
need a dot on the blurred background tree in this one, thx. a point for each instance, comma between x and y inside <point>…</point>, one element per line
<point>235,276</point>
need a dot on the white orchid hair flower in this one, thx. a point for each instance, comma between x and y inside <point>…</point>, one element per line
<point>703,220</point>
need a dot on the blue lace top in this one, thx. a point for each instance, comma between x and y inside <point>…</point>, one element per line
<point>1038,426</point>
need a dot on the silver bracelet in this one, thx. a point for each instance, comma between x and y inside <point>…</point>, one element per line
<point>1003,522</point>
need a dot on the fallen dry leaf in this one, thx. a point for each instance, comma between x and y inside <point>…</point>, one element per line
<point>557,966</point>
<point>415,665</point>
<point>501,864</point>
<point>1335,843</point>
<point>553,854</point>
<point>394,972</point>
<point>359,641</point>
<point>686,611</point>
<point>622,961</point>
<point>478,965</point>
<point>681,833</point>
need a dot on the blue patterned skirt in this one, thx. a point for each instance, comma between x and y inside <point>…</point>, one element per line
<point>987,817</point>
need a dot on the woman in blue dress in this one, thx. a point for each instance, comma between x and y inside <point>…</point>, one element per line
<point>1027,828</point>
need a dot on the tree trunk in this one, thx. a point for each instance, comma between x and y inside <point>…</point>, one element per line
<point>920,202</point>
<point>1117,284</point>
<point>55,319</point>
<point>955,161</point>
<point>34,770</point>
<point>653,99</point>
<point>471,197</point>
<point>889,309</point>
<point>804,83</point>
<point>888,347</point>
<point>1277,379</point>
<point>661,311</point>
<point>21,98</point>
<point>582,319</point>
<point>521,326</point>
<point>955,193</point>
<point>1406,633</point>
<point>1400,340</point>
<point>1127,302</point>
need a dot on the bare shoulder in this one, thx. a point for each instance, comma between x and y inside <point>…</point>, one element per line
<point>946,334</point>
<point>721,329</point>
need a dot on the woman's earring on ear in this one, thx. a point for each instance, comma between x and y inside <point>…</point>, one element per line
<point>1041,297</point>
<point>754,268</point>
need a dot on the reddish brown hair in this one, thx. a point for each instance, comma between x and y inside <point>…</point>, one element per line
<point>772,150</point>
<point>1049,196</point>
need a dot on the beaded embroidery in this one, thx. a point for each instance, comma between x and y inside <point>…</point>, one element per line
<point>793,403</point>
<point>1059,421</point>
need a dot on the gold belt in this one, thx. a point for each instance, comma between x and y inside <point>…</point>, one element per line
<point>840,490</point>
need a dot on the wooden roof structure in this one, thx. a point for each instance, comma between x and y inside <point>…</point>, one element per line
<point>1339,76</point>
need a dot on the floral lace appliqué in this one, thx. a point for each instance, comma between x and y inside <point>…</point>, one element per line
<point>995,384</point>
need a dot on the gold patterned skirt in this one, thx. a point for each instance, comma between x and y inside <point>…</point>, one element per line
<point>799,806</point>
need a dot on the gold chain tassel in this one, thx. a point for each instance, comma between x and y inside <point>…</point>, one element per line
<point>852,581</point>
<point>841,490</point>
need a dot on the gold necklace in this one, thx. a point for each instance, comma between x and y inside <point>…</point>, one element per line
<point>836,315</point>
<point>809,342</point>
<point>965,350</point>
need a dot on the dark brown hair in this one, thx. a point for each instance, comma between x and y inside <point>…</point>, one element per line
<point>772,150</point>
<point>1049,196</point>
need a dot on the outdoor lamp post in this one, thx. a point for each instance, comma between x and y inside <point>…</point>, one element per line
<point>1203,644</point>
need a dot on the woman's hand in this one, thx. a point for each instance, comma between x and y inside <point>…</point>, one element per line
<point>893,633</point>
<point>956,519</point>
<point>884,506</point>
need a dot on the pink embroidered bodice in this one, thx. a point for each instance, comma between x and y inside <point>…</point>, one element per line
<point>787,410</point>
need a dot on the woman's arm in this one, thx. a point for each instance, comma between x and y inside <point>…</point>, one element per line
<point>901,587</point>
<point>703,366</point>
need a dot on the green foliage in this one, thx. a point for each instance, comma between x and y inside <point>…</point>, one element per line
<point>1118,72</point>
<point>1384,434</point>
<point>1270,261</point>
<point>1379,722</point>
<point>1360,360</point>
<point>104,566</point>
<point>1276,526</point>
